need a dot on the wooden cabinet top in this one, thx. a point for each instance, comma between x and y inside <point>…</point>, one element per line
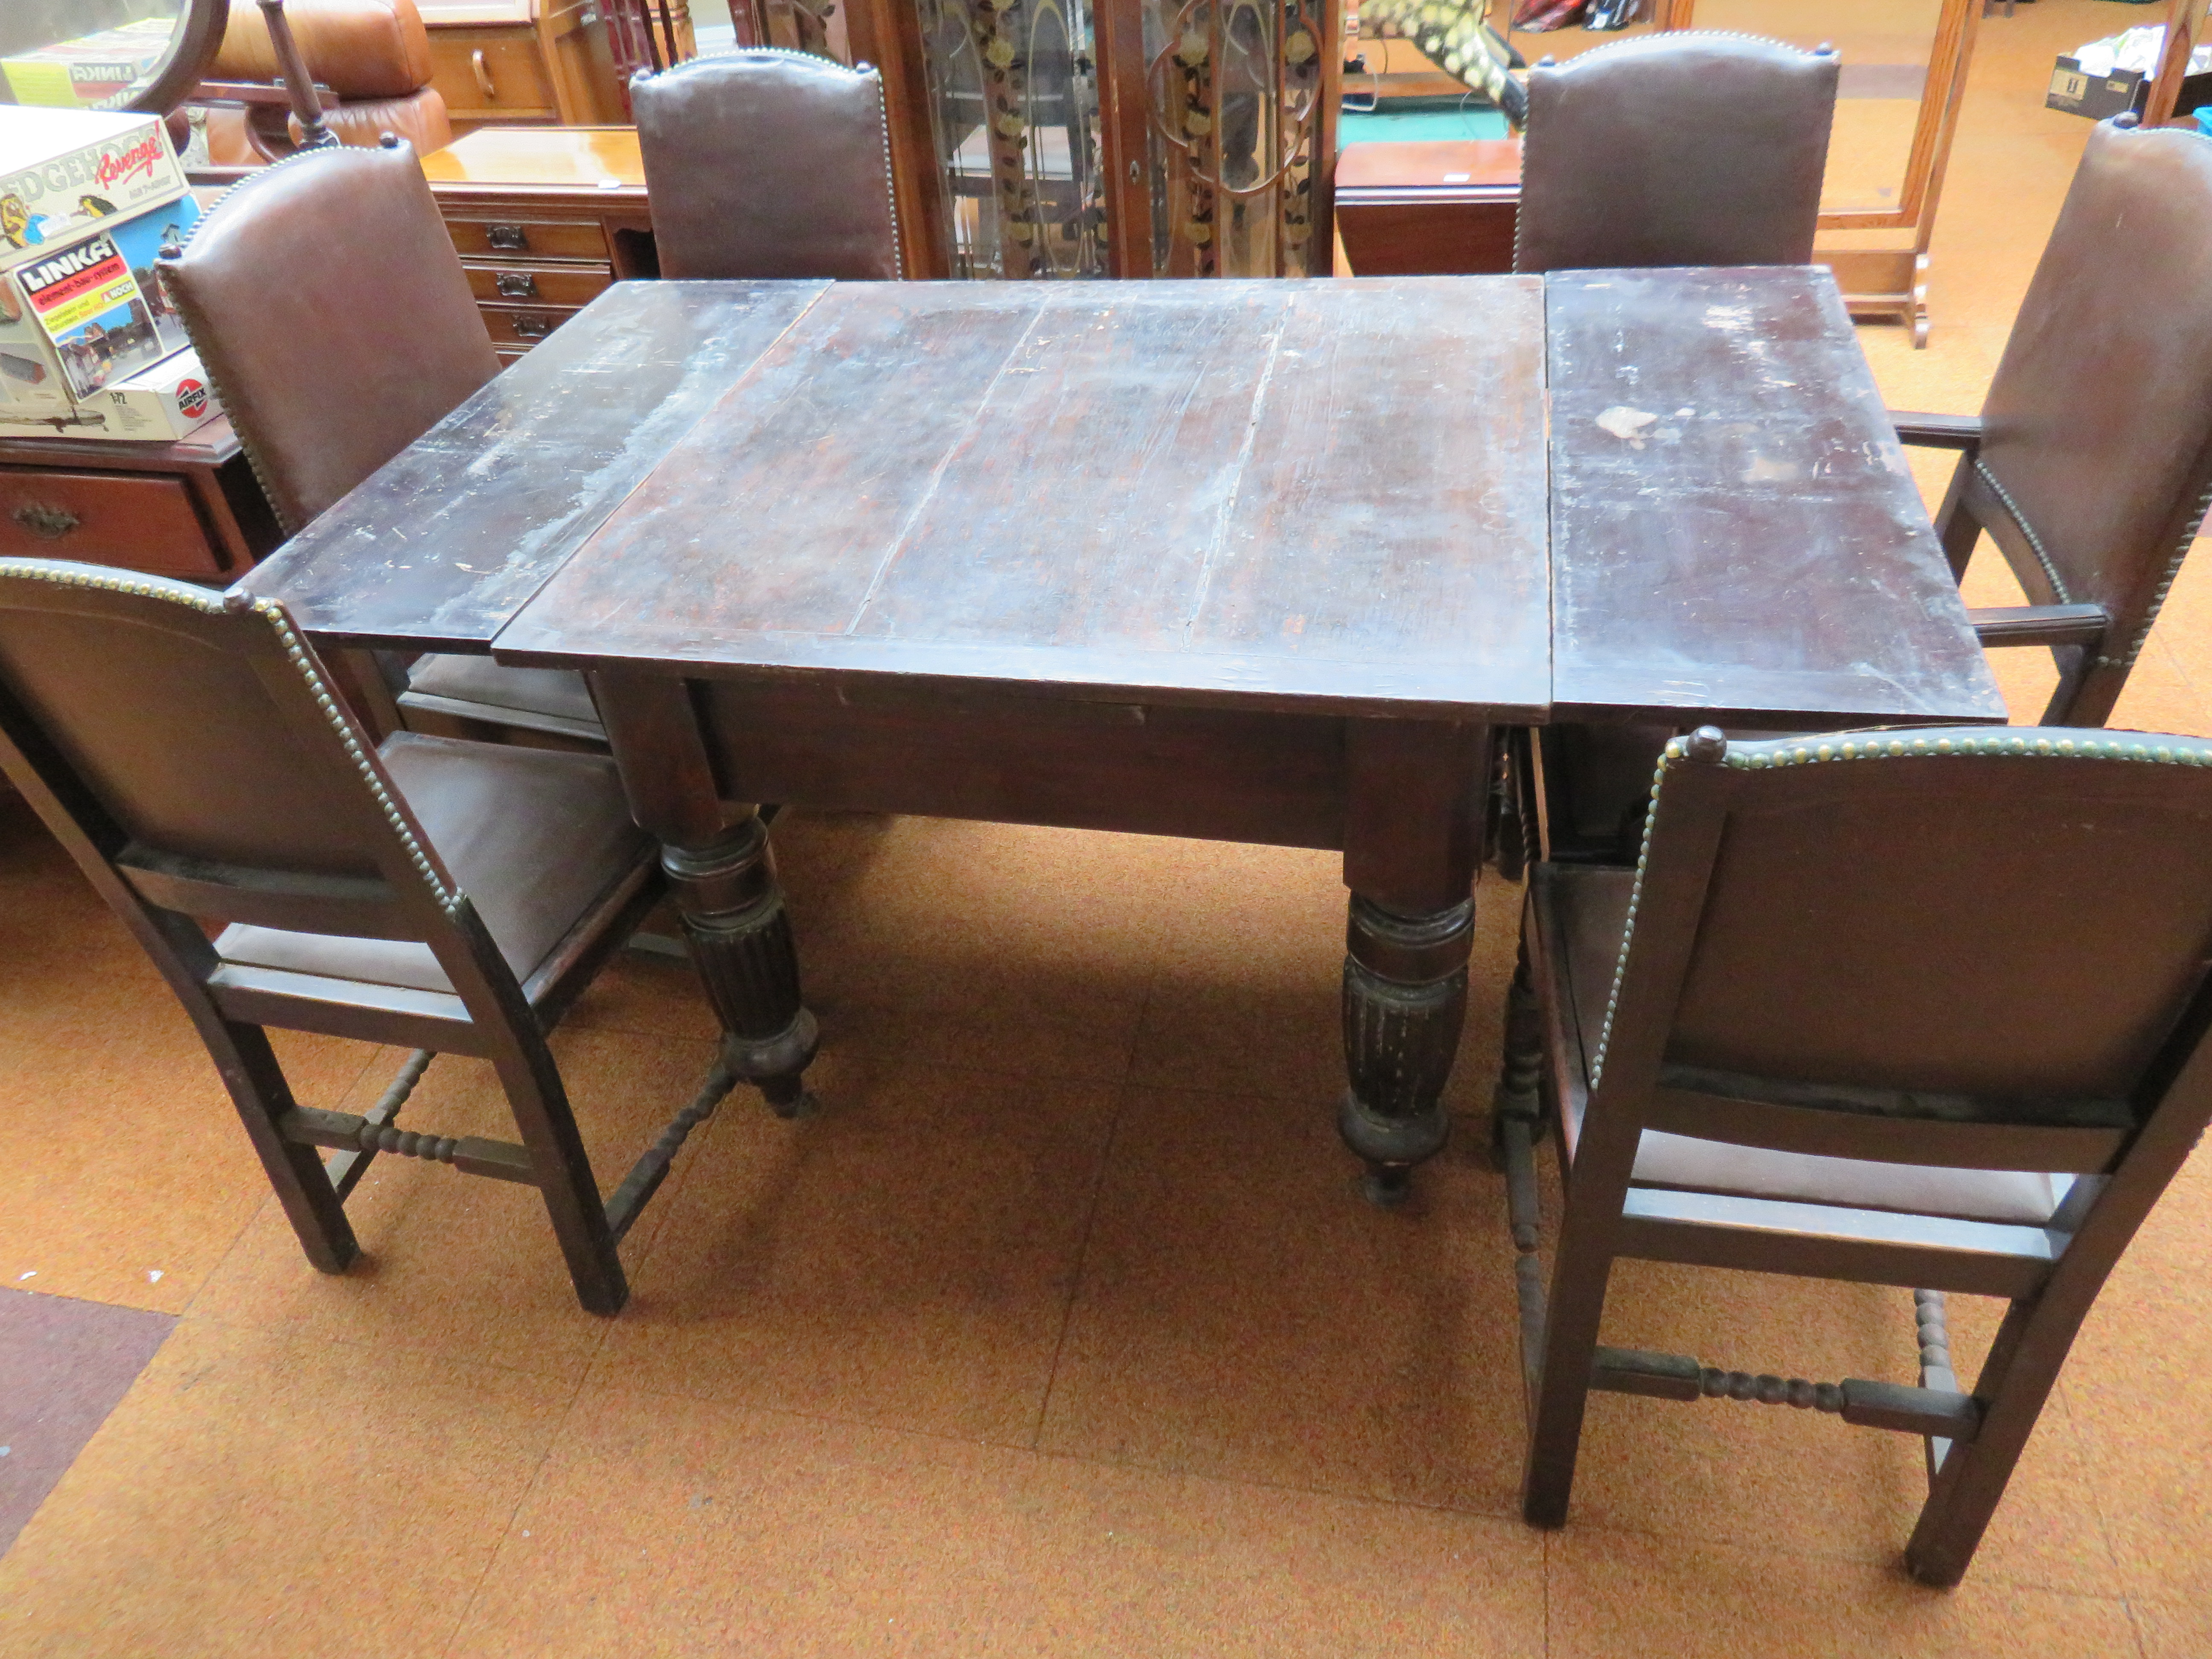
<point>603,159</point>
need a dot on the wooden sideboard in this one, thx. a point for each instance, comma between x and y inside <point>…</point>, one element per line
<point>190,508</point>
<point>529,62</point>
<point>545,218</point>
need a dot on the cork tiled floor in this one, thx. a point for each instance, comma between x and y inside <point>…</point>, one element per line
<point>1061,1329</point>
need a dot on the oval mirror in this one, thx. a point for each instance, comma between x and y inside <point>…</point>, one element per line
<point>144,55</point>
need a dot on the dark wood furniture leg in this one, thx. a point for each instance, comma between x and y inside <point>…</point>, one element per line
<point>722,871</point>
<point>1415,811</point>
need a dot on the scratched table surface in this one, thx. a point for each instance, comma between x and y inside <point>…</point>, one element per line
<point>442,546</point>
<point>1224,494</point>
<point>1734,530</point>
<point>1248,493</point>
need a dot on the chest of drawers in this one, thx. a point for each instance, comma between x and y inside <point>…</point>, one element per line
<point>544,218</point>
<point>190,509</point>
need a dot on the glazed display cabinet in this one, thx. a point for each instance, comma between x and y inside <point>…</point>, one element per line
<point>1062,138</point>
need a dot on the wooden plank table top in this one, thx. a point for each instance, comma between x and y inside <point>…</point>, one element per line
<point>1736,533</point>
<point>443,545</point>
<point>1224,494</point>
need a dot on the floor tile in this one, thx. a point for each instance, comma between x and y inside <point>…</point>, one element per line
<point>64,1363</point>
<point>1244,1313</point>
<point>1610,1594</point>
<point>461,1266</point>
<point>2172,1629</point>
<point>261,1493</point>
<point>128,1175</point>
<point>674,1526</point>
<point>905,1257</point>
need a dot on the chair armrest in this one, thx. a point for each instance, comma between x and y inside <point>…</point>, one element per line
<point>2039,624</point>
<point>1962,432</point>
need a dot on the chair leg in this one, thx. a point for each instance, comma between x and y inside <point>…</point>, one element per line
<point>2031,1345</point>
<point>258,1088</point>
<point>1522,1064</point>
<point>1956,527</point>
<point>548,1128</point>
<point>1576,1305</point>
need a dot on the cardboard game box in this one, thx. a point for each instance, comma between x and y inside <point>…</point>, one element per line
<point>89,313</point>
<point>65,171</point>
<point>156,405</point>
<point>92,72</point>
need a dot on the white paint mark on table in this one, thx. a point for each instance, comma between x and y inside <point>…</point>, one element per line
<point>1626,423</point>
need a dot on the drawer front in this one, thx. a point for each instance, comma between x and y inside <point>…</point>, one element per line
<point>520,327</point>
<point>490,73</point>
<point>539,285</point>
<point>544,238</point>
<point>139,521</point>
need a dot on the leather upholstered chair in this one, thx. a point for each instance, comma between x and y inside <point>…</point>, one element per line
<point>1920,1009</point>
<point>374,55</point>
<point>332,313</point>
<point>282,869</point>
<point>766,163</point>
<point>2091,462</point>
<point>1682,148</point>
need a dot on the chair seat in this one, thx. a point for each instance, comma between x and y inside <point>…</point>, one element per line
<point>537,699</point>
<point>1590,907</point>
<point>533,836</point>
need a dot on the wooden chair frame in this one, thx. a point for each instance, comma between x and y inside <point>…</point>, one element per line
<point>163,899</point>
<point>2121,1155</point>
<point>2093,648</point>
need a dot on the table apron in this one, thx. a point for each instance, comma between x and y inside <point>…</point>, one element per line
<point>1407,795</point>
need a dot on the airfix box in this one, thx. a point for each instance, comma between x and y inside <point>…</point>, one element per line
<point>64,171</point>
<point>155,405</point>
<point>95,71</point>
<point>88,313</point>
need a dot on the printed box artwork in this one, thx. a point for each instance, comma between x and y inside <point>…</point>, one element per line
<point>87,313</point>
<point>63,172</point>
<point>94,72</point>
<point>155,405</point>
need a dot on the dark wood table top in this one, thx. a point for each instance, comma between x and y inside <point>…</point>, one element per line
<point>442,546</point>
<point>1734,530</point>
<point>1326,495</point>
<point>1225,494</point>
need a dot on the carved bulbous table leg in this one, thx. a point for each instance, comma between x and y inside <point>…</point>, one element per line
<point>740,936</point>
<point>1405,1001</point>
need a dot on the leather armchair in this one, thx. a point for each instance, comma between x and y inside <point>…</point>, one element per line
<point>373,54</point>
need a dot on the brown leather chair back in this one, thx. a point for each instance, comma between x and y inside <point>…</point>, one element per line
<point>2020,917</point>
<point>1682,149</point>
<point>202,731</point>
<point>766,163</point>
<point>2098,426</point>
<point>333,317</point>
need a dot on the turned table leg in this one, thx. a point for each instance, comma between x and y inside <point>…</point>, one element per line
<point>1416,795</point>
<point>1405,999</point>
<point>722,871</point>
<point>740,937</point>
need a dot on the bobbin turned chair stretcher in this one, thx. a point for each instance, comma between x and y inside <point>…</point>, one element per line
<point>1916,1009</point>
<point>442,895</point>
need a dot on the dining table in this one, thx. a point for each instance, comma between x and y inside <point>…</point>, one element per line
<point>1268,561</point>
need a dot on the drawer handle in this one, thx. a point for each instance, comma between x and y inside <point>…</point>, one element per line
<point>508,239</point>
<point>47,523</point>
<point>483,75</point>
<point>515,285</point>
<point>529,327</point>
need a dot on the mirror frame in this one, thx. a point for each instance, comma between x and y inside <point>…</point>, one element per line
<point>196,45</point>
